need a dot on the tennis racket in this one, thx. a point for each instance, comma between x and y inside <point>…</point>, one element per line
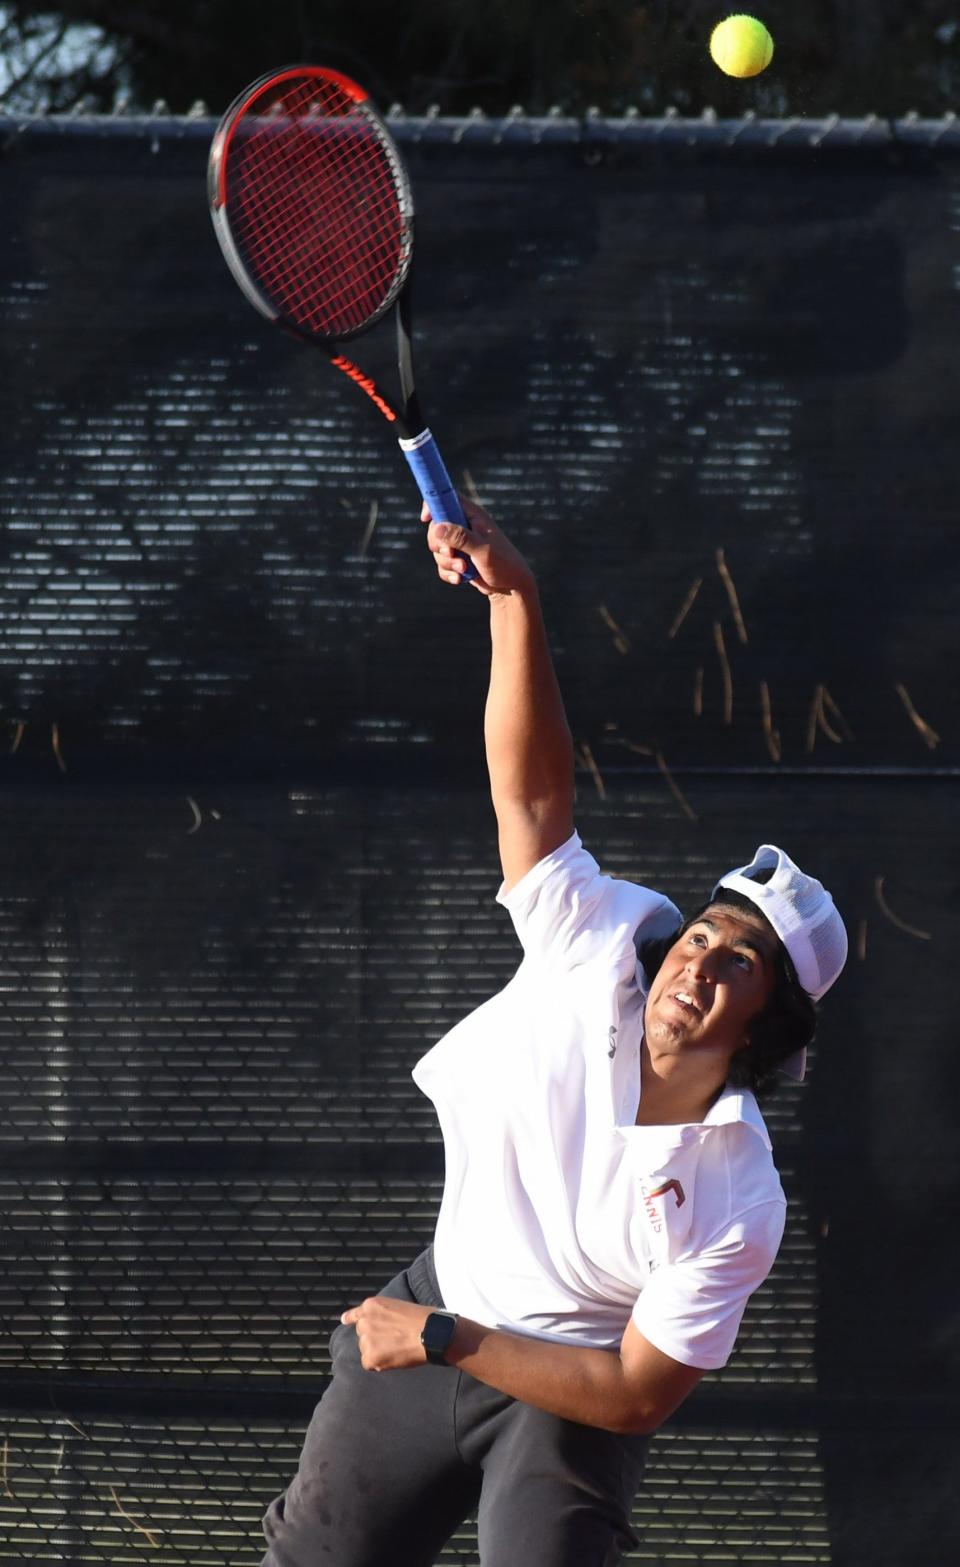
<point>314,213</point>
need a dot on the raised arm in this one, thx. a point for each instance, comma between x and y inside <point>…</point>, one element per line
<point>528,744</point>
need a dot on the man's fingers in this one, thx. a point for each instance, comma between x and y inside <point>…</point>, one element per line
<point>454,548</point>
<point>356,1312</point>
<point>450,567</point>
<point>448,535</point>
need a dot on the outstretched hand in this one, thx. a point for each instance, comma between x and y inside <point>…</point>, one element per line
<point>501,569</point>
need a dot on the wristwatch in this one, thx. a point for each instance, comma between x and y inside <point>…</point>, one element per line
<point>437,1332</point>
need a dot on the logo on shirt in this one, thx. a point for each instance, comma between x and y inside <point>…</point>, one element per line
<point>671,1186</point>
<point>656,1222</point>
<point>612,1042</point>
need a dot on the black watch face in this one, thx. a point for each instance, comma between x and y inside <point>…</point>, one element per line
<point>437,1333</point>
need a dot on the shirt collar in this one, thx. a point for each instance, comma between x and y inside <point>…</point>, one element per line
<point>738,1104</point>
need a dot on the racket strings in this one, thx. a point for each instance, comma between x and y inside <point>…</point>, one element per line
<point>344,258</point>
<point>315,205</point>
<point>329,264</point>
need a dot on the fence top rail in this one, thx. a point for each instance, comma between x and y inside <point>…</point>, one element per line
<point>517,130</point>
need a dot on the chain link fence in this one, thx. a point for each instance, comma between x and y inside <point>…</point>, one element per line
<point>704,372</point>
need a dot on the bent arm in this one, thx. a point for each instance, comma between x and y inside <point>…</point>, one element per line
<point>632,1392</point>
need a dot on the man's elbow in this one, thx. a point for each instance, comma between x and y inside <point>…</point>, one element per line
<point>641,1422</point>
<point>633,1414</point>
<point>645,1409</point>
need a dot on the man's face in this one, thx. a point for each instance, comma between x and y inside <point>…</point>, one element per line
<point>713,981</point>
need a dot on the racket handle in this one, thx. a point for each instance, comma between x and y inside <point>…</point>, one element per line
<point>434,484</point>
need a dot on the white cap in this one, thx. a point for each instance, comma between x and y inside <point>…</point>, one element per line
<point>805,918</point>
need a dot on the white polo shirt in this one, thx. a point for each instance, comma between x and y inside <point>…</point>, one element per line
<point>561,1218</point>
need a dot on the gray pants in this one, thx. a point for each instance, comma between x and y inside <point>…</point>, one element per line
<point>394,1461</point>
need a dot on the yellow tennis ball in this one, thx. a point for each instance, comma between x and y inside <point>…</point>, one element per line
<point>741,46</point>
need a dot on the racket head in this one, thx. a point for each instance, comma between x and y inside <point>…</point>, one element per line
<point>311,203</point>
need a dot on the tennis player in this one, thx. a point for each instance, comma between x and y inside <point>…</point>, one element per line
<point>611,1200</point>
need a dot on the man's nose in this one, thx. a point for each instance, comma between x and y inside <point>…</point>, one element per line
<point>702,965</point>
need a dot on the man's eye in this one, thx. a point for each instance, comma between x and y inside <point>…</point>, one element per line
<point>742,961</point>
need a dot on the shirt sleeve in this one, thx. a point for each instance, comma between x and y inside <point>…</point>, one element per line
<point>566,912</point>
<point>691,1309</point>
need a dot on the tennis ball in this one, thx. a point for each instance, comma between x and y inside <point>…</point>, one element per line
<point>741,46</point>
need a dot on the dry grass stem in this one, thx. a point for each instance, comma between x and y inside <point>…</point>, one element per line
<point>675,790</point>
<point>470,489</point>
<point>721,648</point>
<point>698,692</point>
<point>641,750</point>
<point>825,724</point>
<point>590,763</point>
<point>812,719</point>
<point>862,941</point>
<point>818,720</point>
<point>4,1469</point>
<point>728,583</point>
<point>55,741</point>
<point>620,639</point>
<point>770,735</point>
<point>372,516</point>
<point>928,735</point>
<point>685,607</point>
<point>827,701</point>
<point>154,1539</point>
<point>885,909</point>
<point>18,736</point>
<point>197,818</point>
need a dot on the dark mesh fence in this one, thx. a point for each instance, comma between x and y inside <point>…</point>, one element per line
<point>707,376</point>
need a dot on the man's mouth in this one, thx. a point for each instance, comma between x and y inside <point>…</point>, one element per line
<point>685,1000</point>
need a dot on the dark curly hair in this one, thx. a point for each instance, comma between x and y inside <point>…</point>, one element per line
<point>786,1023</point>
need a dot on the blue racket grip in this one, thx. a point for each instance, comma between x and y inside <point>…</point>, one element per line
<point>434,484</point>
